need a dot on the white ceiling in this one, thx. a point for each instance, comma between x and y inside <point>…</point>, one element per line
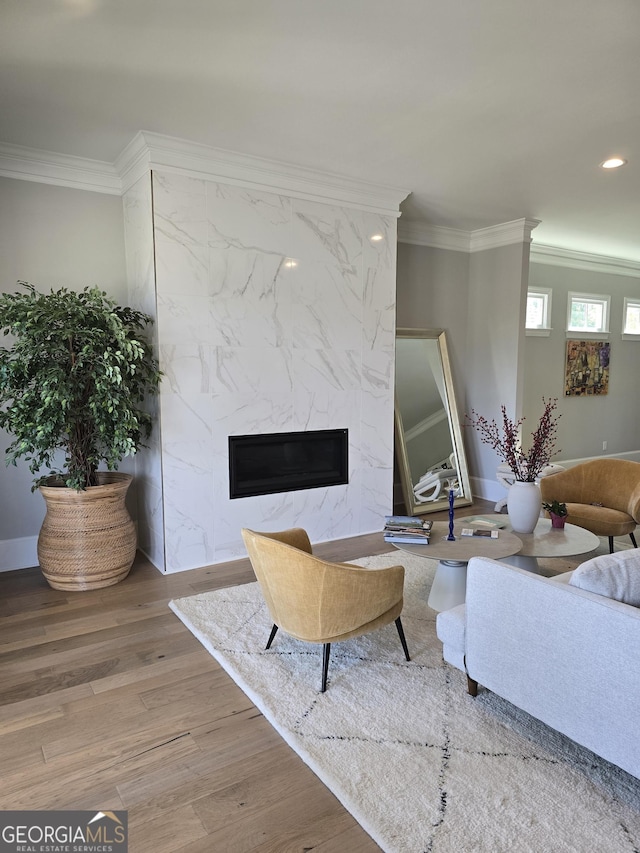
<point>487,110</point>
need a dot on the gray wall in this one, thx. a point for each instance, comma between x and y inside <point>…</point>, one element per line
<point>432,293</point>
<point>479,299</point>
<point>52,237</point>
<point>586,421</point>
<point>429,450</point>
<point>495,345</point>
<point>55,236</point>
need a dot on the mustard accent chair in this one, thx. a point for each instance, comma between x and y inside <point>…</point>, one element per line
<point>318,601</point>
<point>602,495</point>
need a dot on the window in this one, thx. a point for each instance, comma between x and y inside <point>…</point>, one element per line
<point>631,318</point>
<point>588,313</point>
<point>538,319</point>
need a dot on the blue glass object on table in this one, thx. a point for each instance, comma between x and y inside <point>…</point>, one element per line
<point>451,537</point>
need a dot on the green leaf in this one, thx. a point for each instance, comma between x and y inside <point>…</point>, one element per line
<point>74,379</point>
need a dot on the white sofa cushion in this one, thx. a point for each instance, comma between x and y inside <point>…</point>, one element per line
<point>614,575</point>
<point>564,655</point>
<point>450,627</point>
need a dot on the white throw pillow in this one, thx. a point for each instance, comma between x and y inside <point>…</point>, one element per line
<point>614,575</point>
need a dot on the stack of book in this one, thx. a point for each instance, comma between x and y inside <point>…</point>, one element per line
<point>407,529</point>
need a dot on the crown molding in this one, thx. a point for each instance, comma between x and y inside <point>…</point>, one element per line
<point>425,425</point>
<point>434,236</point>
<point>505,234</point>
<point>48,167</point>
<point>148,151</point>
<point>133,162</point>
<point>558,257</point>
<point>155,151</point>
<point>151,150</point>
<point>456,240</point>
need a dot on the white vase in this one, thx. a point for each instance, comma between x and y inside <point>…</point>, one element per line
<point>524,503</point>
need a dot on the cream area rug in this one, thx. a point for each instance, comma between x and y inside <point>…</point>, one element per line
<point>420,764</point>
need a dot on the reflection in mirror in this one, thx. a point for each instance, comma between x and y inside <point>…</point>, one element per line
<point>429,451</point>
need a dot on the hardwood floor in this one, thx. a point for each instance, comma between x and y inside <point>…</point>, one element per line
<point>108,702</point>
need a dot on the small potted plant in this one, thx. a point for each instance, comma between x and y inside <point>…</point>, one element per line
<point>557,511</point>
<point>73,385</point>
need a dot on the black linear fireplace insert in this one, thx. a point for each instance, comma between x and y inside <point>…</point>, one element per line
<point>287,461</point>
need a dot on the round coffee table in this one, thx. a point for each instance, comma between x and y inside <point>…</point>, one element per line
<point>548,541</point>
<point>450,581</point>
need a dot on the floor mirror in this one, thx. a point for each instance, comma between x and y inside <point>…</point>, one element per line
<point>429,450</point>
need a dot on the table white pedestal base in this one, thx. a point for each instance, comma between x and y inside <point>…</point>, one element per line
<point>449,585</point>
<point>522,561</point>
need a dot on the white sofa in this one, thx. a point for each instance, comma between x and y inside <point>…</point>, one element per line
<point>567,656</point>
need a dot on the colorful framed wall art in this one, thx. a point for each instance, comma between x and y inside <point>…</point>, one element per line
<point>587,368</point>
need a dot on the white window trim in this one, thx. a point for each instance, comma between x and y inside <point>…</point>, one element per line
<point>545,330</point>
<point>629,336</point>
<point>602,298</point>
<point>537,333</point>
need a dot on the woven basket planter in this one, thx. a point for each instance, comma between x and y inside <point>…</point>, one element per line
<point>87,539</point>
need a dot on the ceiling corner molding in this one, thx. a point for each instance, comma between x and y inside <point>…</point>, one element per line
<point>48,167</point>
<point>558,257</point>
<point>133,162</point>
<point>434,236</point>
<point>505,234</point>
<point>457,240</point>
<point>155,151</point>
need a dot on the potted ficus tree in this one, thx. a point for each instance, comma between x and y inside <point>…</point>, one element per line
<point>73,383</point>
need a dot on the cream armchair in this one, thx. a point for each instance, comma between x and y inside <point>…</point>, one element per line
<point>602,495</point>
<point>318,601</point>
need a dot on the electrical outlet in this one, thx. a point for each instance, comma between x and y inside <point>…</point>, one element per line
<point>604,445</point>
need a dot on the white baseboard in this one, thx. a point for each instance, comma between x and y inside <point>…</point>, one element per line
<point>23,553</point>
<point>491,490</point>
<point>631,455</point>
<point>18,553</point>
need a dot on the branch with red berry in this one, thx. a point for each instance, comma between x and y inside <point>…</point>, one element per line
<point>505,440</point>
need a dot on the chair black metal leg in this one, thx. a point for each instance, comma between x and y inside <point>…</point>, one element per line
<point>633,539</point>
<point>326,651</point>
<point>611,544</point>
<point>274,631</point>
<point>402,638</point>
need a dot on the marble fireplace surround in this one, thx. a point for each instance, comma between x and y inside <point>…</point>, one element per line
<point>273,291</point>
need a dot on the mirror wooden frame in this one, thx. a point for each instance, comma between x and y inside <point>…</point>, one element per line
<point>413,507</point>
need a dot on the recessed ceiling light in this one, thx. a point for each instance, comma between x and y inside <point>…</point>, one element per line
<point>290,263</point>
<point>375,238</point>
<point>613,163</point>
